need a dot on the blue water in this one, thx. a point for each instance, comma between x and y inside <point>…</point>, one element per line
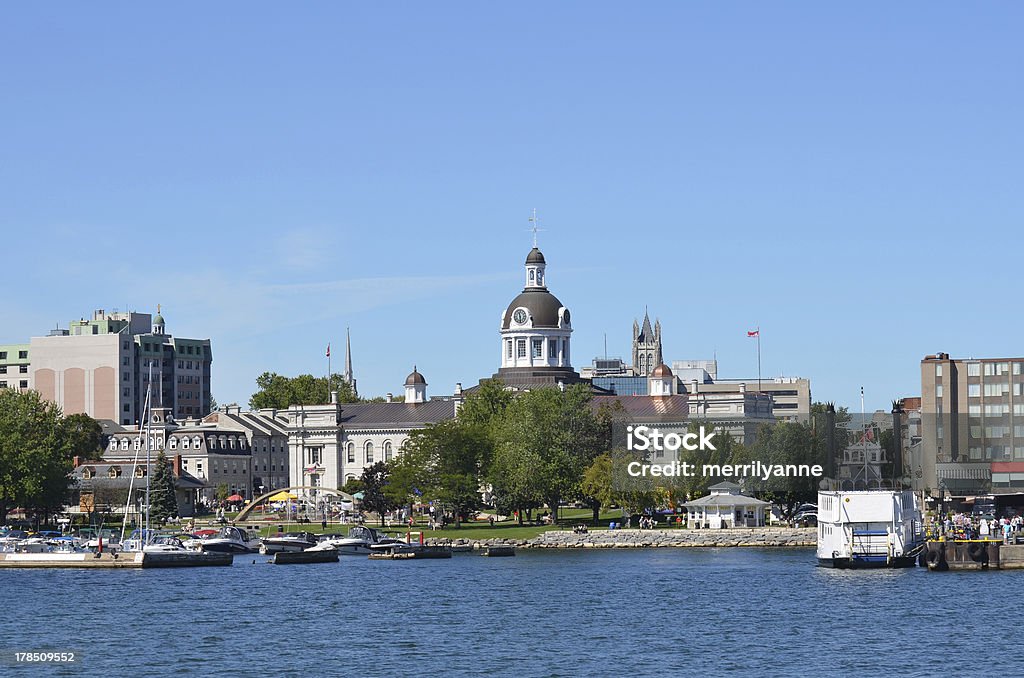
<point>541,613</point>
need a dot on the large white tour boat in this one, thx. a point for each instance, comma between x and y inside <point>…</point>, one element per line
<point>870,528</point>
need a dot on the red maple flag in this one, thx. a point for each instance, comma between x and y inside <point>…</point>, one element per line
<point>754,333</point>
<point>328,350</point>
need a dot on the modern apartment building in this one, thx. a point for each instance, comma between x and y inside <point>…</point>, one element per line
<point>14,366</point>
<point>102,367</point>
<point>972,424</point>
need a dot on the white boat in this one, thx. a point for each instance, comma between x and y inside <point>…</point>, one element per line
<point>359,541</point>
<point>872,528</point>
<point>291,541</point>
<point>231,539</point>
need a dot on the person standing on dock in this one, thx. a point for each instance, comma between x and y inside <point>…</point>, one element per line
<point>983,528</point>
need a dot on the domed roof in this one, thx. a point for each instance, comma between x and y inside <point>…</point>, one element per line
<point>415,378</point>
<point>539,303</point>
<point>661,371</point>
<point>158,320</point>
<point>535,257</point>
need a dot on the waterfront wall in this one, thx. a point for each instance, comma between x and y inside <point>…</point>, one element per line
<point>565,539</point>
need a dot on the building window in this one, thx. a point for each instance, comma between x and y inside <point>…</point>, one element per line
<point>938,370</point>
<point>3,355</point>
<point>126,377</point>
<point>938,391</point>
<point>22,355</point>
<point>23,383</point>
<point>508,348</point>
<point>973,369</point>
<point>114,472</point>
<point>23,369</point>
<point>973,390</point>
<point>387,451</point>
<point>351,453</point>
<point>521,348</point>
<point>538,348</point>
<point>369,452</point>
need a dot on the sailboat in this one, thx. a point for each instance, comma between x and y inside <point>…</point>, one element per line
<point>156,550</point>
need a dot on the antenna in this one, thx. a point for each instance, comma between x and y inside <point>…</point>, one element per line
<point>534,221</point>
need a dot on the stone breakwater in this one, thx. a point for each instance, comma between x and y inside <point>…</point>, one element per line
<point>774,537</point>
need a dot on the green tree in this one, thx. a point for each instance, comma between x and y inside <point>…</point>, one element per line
<point>163,502</point>
<point>443,462</point>
<point>787,443</point>
<point>281,392</point>
<point>352,485</point>
<point>223,492</point>
<point>35,454</point>
<point>85,436</point>
<point>547,437</point>
<point>597,484</point>
<point>375,480</point>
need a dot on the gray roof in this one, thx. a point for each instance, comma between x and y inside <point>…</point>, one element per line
<point>725,500</point>
<point>415,378</point>
<point>535,257</point>
<point>183,482</point>
<point>542,305</point>
<point>403,415</point>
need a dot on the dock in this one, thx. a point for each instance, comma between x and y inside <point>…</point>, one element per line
<point>971,554</point>
<point>498,551</point>
<point>113,561</point>
<point>303,557</point>
<point>414,553</point>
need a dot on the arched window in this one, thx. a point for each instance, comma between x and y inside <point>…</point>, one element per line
<point>137,444</point>
<point>124,443</point>
<point>114,472</point>
<point>140,471</point>
<point>173,443</point>
<point>185,443</point>
<point>231,442</point>
<point>87,473</point>
<point>387,451</point>
<point>642,363</point>
<point>197,442</point>
<point>113,443</point>
<point>351,453</point>
<point>369,451</point>
<point>531,275</point>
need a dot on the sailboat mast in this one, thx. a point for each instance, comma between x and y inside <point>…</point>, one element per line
<point>149,445</point>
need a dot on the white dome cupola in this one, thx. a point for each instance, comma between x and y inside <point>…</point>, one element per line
<point>415,387</point>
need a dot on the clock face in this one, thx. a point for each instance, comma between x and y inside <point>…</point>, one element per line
<point>519,316</point>
<point>565,316</point>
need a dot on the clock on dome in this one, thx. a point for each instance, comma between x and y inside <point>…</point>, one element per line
<point>519,316</point>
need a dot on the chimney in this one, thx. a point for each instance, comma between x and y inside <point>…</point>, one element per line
<point>334,397</point>
<point>743,387</point>
<point>177,466</point>
<point>77,461</point>
<point>458,388</point>
<point>389,398</point>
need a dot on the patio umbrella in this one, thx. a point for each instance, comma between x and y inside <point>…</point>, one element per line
<point>283,496</point>
<point>235,497</point>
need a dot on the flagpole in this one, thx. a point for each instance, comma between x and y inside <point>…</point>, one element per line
<point>758,359</point>
<point>864,438</point>
<point>328,372</point>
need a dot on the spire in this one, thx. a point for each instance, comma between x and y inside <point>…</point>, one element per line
<point>349,379</point>
<point>647,332</point>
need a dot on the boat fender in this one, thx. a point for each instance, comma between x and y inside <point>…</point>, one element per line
<point>934,558</point>
<point>977,552</point>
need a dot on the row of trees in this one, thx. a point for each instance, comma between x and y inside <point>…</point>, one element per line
<point>37,450</point>
<point>548,446</point>
<point>280,392</point>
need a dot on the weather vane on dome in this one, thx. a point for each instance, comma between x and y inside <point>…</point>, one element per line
<point>535,223</point>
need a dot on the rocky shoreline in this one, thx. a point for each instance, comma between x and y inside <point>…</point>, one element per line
<point>768,537</point>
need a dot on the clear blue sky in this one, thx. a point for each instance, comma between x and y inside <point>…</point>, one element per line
<point>848,178</point>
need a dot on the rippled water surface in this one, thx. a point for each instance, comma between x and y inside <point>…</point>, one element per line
<point>541,613</point>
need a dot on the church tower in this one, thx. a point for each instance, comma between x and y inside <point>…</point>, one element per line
<point>646,346</point>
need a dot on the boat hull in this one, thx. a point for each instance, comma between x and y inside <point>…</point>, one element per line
<point>867,564</point>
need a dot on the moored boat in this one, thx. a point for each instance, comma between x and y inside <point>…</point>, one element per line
<point>869,529</point>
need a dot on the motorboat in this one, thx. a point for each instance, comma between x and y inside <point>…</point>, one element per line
<point>165,543</point>
<point>288,541</point>
<point>231,539</point>
<point>359,541</point>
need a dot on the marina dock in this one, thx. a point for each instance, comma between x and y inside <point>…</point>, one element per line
<point>114,561</point>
